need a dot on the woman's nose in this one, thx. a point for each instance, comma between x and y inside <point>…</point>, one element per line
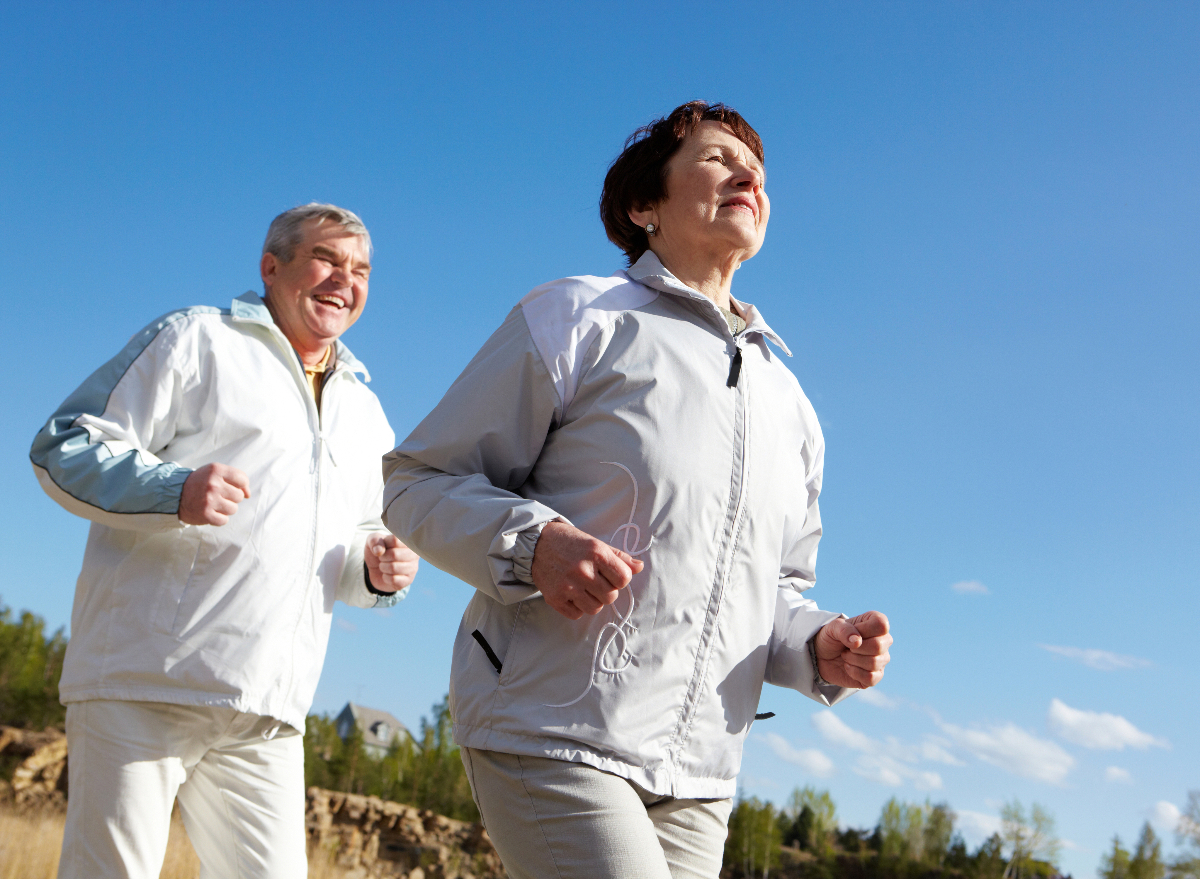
<point>750,178</point>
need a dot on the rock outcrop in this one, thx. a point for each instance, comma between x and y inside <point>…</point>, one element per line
<point>39,778</point>
<point>370,837</point>
<point>365,837</point>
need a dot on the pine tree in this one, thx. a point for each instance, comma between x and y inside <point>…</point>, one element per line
<point>1147,862</point>
<point>1115,864</point>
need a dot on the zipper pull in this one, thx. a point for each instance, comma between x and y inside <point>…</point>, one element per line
<point>735,369</point>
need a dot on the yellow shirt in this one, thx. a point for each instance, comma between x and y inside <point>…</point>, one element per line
<point>316,374</point>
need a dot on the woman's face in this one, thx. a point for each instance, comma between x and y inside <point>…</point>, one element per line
<point>715,200</point>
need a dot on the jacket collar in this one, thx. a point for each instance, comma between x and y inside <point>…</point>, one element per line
<point>650,271</point>
<point>250,308</point>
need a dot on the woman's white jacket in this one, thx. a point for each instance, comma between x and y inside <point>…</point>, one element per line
<point>626,406</point>
<point>236,615</point>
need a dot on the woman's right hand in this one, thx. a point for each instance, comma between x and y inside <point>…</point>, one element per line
<point>578,574</point>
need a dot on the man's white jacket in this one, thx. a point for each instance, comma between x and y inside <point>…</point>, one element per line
<point>235,615</point>
<point>626,406</point>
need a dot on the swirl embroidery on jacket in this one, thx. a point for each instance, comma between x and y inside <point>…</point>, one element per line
<point>631,534</point>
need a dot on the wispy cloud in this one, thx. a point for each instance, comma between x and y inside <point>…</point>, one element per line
<point>810,760</point>
<point>1101,660</point>
<point>935,751</point>
<point>1099,731</point>
<point>1012,748</point>
<point>345,625</point>
<point>889,762</point>
<point>1165,815</point>
<point>1117,775</point>
<point>837,732</point>
<point>970,587</point>
<point>872,696</point>
<point>976,826</point>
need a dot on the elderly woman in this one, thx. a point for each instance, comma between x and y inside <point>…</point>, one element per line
<point>628,475</point>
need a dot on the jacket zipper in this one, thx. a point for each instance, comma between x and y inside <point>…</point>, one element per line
<point>318,447</point>
<point>717,597</point>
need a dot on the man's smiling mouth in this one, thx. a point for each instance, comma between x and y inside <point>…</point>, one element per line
<point>328,299</point>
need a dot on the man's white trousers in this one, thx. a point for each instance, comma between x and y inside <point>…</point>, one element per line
<point>239,779</point>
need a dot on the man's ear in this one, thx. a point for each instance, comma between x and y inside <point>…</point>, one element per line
<point>268,267</point>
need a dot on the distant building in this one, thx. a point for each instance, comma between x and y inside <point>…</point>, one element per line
<point>379,729</point>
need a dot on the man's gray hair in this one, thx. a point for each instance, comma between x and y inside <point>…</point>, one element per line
<point>287,230</point>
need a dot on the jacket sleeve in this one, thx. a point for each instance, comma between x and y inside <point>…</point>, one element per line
<point>451,487</point>
<point>798,619</point>
<point>96,455</point>
<point>352,588</point>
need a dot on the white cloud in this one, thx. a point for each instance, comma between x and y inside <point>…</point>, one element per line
<point>872,696</point>
<point>935,751</point>
<point>879,772</point>
<point>1101,660</point>
<point>970,587</point>
<point>1012,748</point>
<point>345,625</point>
<point>1165,815</point>
<point>927,781</point>
<point>884,762</point>
<point>1117,774</point>
<point>836,732</point>
<point>810,760</point>
<point>1099,731</point>
<point>976,826</point>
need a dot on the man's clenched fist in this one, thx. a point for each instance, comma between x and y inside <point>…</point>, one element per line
<point>392,565</point>
<point>211,494</point>
<point>853,653</point>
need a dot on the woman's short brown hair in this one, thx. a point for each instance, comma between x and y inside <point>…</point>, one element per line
<point>637,178</point>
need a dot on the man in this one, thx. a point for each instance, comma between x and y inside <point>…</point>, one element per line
<point>229,460</point>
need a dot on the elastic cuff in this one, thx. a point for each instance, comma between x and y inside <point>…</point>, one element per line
<point>367,580</point>
<point>523,550</point>
<point>818,681</point>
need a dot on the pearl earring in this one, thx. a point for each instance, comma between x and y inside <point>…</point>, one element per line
<point>650,229</point>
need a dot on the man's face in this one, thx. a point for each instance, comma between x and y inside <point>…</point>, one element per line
<point>321,292</point>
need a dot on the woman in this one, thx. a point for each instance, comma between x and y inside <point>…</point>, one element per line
<point>628,475</point>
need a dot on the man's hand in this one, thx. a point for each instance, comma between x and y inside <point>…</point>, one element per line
<point>852,653</point>
<point>577,573</point>
<point>392,565</point>
<point>211,494</point>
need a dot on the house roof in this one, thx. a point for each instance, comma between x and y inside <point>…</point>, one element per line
<point>379,728</point>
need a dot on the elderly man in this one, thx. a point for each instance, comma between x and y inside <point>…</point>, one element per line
<point>229,460</point>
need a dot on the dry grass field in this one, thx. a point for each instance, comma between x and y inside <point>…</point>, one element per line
<point>30,843</point>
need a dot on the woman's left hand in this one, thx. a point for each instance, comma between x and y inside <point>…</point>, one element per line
<point>852,653</point>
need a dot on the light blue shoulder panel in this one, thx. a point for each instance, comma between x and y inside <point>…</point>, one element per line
<point>87,471</point>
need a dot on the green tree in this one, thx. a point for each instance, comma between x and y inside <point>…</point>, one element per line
<point>988,861</point>
<point>939,829</point>
<point>1187,832</point>
<point>752,846</point>
<point>809,820</point>
<point>30,666</point>
<point>1115,864</point>
<point>911,831</point>
<point>1029,838</point>
<point>1147,862</point>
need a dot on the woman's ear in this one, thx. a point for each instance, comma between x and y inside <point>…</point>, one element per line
<point>642,216</point>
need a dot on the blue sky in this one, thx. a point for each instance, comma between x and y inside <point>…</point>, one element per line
<point>983,252</point>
